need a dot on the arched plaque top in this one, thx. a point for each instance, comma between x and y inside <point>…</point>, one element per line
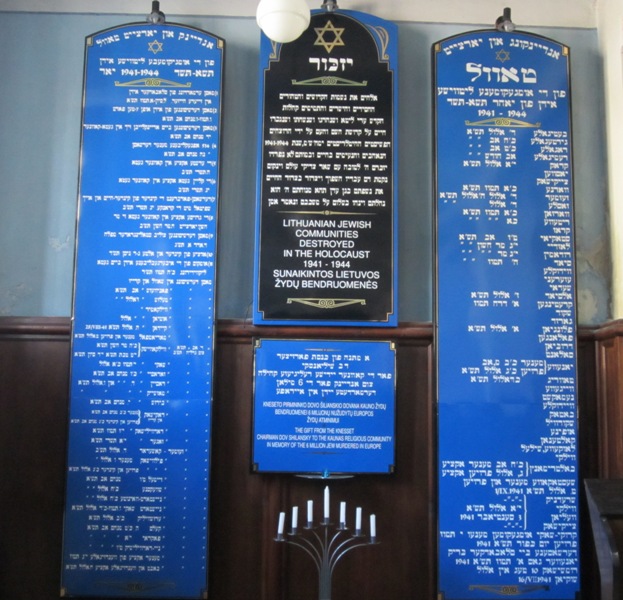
<point>342,34</point>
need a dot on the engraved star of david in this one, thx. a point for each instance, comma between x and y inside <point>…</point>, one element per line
<point>329,28</point>
<point>502,55</point>
<point>155,46</point>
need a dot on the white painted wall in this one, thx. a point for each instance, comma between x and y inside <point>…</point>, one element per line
<point>44,39</point>
<point>610,24</point>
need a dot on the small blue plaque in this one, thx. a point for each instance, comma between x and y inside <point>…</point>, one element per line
<point>324,407</point>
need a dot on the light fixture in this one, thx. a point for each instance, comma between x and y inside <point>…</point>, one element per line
<point>504,22</point>
<point>156,15</point>
<point>283,20</point>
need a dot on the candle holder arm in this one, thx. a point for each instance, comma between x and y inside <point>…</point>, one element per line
<point>339,553</point>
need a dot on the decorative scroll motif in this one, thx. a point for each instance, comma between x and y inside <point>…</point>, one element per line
<point>327,302</point>
<point>152,82</point>
<point>502,122</point>
<point>383,36</point>
<point>138,587</point>
<point>509,590</point>
<point>273,54</point>
<point>329,80</point>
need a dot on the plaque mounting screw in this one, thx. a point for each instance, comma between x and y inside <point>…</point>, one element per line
<point>156,15</point>
<point>504,23</point>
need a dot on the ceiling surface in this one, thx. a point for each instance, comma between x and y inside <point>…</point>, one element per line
<point>547,13</point>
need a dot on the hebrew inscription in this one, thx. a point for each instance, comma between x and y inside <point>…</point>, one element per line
<point>141,366</point>
<point>506,316</point>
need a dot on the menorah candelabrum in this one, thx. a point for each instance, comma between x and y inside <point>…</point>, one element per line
<point>325,548</point>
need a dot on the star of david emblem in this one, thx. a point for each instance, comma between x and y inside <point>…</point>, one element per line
<point>502,55</point>
<point>155,46</point>
<point>337,36</point>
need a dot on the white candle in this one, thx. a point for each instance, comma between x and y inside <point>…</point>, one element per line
<point>372,526</point>
<point>295,517</point>
<point>342,513</point>
<point>326,503</point>
<point>310,511</point>
<point>358,519</point>
<point>282,520</point>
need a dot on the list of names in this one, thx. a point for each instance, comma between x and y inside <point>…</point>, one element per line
<point>139,437</point>
<point>506,291</point>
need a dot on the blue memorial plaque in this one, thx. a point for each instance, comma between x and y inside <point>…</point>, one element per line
<point>506,319</point>
<point>326,225</point>
<point>136,515</point>
<point>324,407</point>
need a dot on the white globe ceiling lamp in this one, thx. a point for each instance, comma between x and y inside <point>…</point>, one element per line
<point>283,20</point>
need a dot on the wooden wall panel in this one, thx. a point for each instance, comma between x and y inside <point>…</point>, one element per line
<point>588,457</point>
<point>34,378</point>
<point>610,400</point>
<point>588,406</point>
<point>245,562</point>
<point>237,499</point>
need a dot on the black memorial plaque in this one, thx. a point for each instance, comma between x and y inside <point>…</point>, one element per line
<point>326,219</point>
<point>138,463</point>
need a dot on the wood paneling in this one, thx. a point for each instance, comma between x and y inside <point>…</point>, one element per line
<point>245,561</point>
<point>610,400</point>
<point>34,375</point>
